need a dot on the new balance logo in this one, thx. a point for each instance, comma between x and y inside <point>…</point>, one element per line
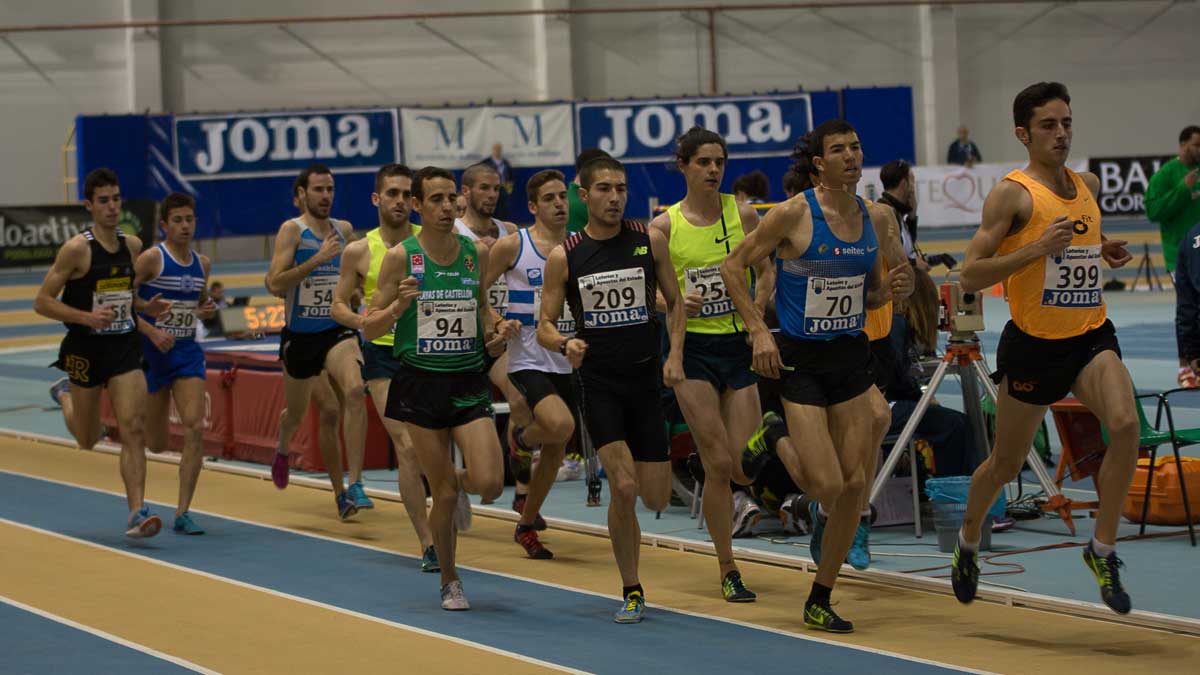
<point>640,250</point>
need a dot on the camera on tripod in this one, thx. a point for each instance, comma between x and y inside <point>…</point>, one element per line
<point>959,312</point>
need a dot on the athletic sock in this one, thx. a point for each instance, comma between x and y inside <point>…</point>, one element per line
<point>819,595</point>
<point>1102,550</point>
<point>822,512</point>
<point>966,545</point>
<point>625,591</point>
<point>866,513</point>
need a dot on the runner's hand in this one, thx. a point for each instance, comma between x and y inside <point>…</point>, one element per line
<point>692,304</point>
<point>900,281</point>
<point>1190,179</point>
<point>495,344</point>
<point>1057,236</point>
<point>509,329</point>
<point>673,372</point>
<point>162,340</point>
<point>207,311</point>
<point>1114,253</point>
<point>330,248</point>
<point>156,306</point>
<point>406,292</point>
<point>99,318</point>
<point>576,350</point>
<point>766,355</point>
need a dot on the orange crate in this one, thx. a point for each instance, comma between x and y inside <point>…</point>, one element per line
<point>1166,498</point>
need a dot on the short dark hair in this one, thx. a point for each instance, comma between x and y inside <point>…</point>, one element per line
<point>302,179</point>
<point>1188,132</point>
<point>794,183</point>
<point>1035,96</point>
<point>472,173</point>
<point>689,143</point>
<point>812,145</point>
<point>175,200</point>
<point>388,171</point>
<point>98,178</point>
<point>893,173</point>
<point>755,184</point>
<point>588,155</point>
<point>427,173</point>
<point>588,173</point>
<point>537,180</point>
<point>215,284</point>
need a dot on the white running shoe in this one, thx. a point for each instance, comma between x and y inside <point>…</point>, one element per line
<point>462,511</point>
<point>571,469</point>
<point>746,514</point>
<point>452,597</point>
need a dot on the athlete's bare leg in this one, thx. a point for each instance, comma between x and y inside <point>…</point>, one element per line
<point>156,429</point>
<point>433,452</point>
<point>623,528</point>
<point>412,489</point>
<point>81,414</point>
<point>128,394</point>
<point>344,365</point>
<point>552,428</point>
<point>188,393</point>
<point>328,403</point>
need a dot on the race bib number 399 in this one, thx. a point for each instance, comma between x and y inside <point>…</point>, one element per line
<point>707,283</point>
<point>1073,278</point>
<point>446,327</point>
<point>316,296</point>
<point>834,304</point>
<point>612,299</point>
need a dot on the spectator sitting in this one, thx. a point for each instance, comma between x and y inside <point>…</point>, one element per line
<point>752,188</point>
<point>963,150</point>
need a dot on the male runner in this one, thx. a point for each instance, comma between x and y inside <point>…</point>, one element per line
<point>543,377</point>
<point>429,294</point>
<point>304,268</point>
<point>607,274</point>
<point>718,397</point>
<point>1041,236</point>
<point>828,273</point>
<point>174,361</point>
<point>360,268</point>
<point>93,272</point>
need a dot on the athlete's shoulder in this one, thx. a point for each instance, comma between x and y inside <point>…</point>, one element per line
<point>133,242</point>
<point>634,225</point>
<point>345,228</point>
<point>1092,181</point>
<point>746,211</point>
<point>355,251</point>
<point>662,222</point>
<point>788,212</point>
<point>1008,190</point>
<point>289,228</point>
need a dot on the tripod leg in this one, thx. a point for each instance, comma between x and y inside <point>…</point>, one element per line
<point>909,429</point>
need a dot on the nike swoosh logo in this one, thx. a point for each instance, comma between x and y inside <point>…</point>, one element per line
<point>722,240</point>
<point>872,249</point>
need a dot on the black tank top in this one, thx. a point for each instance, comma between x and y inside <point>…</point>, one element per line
<point>611,292</point>
<point>108,281</point>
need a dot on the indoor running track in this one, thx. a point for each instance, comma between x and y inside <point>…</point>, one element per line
<point>280,585</point>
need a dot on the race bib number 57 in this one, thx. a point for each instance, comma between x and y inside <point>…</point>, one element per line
<point>612,299</point>
<point>1073,278</point>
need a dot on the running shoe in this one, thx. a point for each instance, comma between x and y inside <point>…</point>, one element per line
<point>60,387</point>
<point>793,516</point>
<point>280,470</point>
<point>462,511</point>
<point>818,530</point>
<point>632,610</point>
<point>859,555</point>
<point>143,524</point>
<point>185,525</point>
<point>429,560</point>
<point>746,514</point>
<point>964,574</point>
<point>1187,378</point>
<point>453,598</point>
<point>527,537</point>
<point>571,469</point>
<point>761,446</point>
<point>360,498</point>
<point>345,506</point>
<point>518,505</point>
<point>822,617</point>
<point>734,590</point>
<point>1108,574</point>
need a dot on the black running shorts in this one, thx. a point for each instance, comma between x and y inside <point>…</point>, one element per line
<point>92,360</point>
<point>379,363</point>
<point>303,354</point>
<point>722,360</point>
<point>438,400</point>
<point>825,372</point>
<point>1041,371</point>
<point>626,406</point>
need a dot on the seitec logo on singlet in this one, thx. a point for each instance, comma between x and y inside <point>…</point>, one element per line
<point>613,299</point>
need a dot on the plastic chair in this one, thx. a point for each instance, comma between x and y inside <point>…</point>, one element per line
<point>1150,437</point>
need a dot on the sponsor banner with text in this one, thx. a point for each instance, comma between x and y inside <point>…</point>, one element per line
<point>1123,182</point>
<point>455,138</point>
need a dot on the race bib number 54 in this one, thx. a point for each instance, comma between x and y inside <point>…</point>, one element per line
<point>834,304</point>
<point>316,296</point>
<point>612,299</point>
<point>1073,278</point>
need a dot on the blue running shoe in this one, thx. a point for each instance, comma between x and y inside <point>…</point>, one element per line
<point>818,531</point>
<point>429,561</point>
<point>59,388</point>
<point>345,506</point>
<point>143,524</point>
<point>185,525</point>
<point>859,556</point>
<point>632,610</point>
<point>360,498</point>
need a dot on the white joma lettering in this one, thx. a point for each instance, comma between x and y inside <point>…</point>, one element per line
<point>279,139</point>
<point>656,126</point>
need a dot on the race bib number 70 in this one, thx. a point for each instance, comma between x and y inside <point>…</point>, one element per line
<point>834,304</point>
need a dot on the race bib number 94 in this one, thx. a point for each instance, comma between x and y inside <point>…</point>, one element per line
<point>707,283</point>
<point>834,304</point>
<point>1073,278</point>
<point>316,296</point>
<point>612,299</point>
<point>446,327</point>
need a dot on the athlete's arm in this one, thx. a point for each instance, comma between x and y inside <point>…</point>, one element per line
<point>68,264</point>
<point>207,309</point>
<point>664,271</point>
<point>348,280</point>
<point>1001,211</point>
<point>554,291</point>
<point>501,258</point>
<point>754,250</point>
<point>283,275</point>
<point>887,232</point>
<point>146,268</point>
<point>1113,251</point>
<point>879,287</point>
<point>764,271</point>
<point>394,292</point>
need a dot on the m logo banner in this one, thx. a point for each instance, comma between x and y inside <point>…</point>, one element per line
<point>645,131</point>
<point>455,138</point>
<point>281,144</point>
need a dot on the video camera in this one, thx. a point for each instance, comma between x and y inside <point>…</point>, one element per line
<point>959,312</point>
<point>941,259</point>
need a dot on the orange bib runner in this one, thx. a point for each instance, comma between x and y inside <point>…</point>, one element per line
<point>1058,296</point>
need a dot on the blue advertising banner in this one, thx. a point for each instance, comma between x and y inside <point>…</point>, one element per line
<point>280,144</point>
<point>645,130</point>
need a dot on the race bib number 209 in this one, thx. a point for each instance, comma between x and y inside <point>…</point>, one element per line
<point>612,299</point>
